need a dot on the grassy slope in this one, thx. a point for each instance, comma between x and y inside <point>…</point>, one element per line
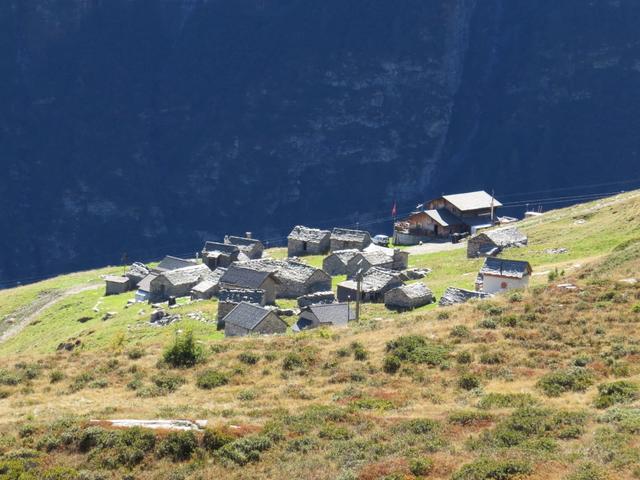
<point>554,327</point>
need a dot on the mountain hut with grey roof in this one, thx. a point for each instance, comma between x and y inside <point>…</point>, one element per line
<point>345,239</point>
<point>333,314</point>
<point>336,263</point>
<point>375,283</point>
<point>499,275</point>
<point>216,254</point>
<point>240,275</point>
<point>491,242</point>
<point>251,247</point>
<point>307,241</point>
<point>408,297</point>
<point>248,319</point>
<point>177,283</point>
<point>229,298</point>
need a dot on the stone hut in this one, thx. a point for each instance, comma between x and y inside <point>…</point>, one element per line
<point>209,287</point>
<point>455,295</point>
<point>172,263</point>
<point>215,254</point>
<point>408,297</point>
<point>307,241</point>
<point>239,275</point>
<point>316,299</point>
<point>229,298</point>
<point>294,278</point>
<point>345,239</point>
<point>334,314</point>
<point>498,275</point>
<point>490,243</point>
<point>177,283</point>
<point>136,272</point>
<point>250,247</point>
<point>375,283</point>
<point>249,319</point>
<point>364,261</point>
<point>336,263</point>
<point>115,284</point>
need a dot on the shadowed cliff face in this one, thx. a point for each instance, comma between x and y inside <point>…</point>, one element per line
<point>146,126</point>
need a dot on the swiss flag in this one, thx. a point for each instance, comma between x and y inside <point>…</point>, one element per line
<point>394,210</point>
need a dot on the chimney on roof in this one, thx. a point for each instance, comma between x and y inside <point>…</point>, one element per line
<point>248,235</point>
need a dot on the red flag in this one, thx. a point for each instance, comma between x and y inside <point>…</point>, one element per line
<point>394,210</point>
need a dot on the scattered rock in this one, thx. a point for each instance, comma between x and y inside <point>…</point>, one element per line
<point>567,286</point>
<point>629,281</point>
<point>69,346</point>
<point>316,299</point>
<point>10,321</point>
<point>162,319</point>
<point>287,312</point>
<point>155,424</point>
<point>414,273</point>
<point>141,312</point>
<point>580,221</point>
<point>556,251</point>
<point>84,319</point>
<point>455,295</point>
<point>108,315</point>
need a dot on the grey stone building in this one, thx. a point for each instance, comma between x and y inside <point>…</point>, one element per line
<point>115,285</point>
<point>375,283</point>
<point>228,298</point>
<point>336,263</point>
<point>345,239</point>
<point>491,242</point>
<point>334,314</point>
<point>177,283</point>
<point>408,297</point>
<point>167,264</point>
<point>251,247</point>
<point>172,263</point>
<point>454,295</point>
<point>239,275</point>
<point>136,272</point>
<point>307,241</point>
<point>499,275</point>
<point>209,287</point>
<point>294,278</point>
<point>215,254</point>
<point>249,319</point>
<point>316,298</point>
<point>375,256</point>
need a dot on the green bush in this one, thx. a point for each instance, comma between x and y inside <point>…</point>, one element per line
<point>616,392</point>
<point>245,450</point>
<point>460,331</point>
<point>178,446</point>
<point>81,381</point>
<point>9,378</point>
<point>491,358</point>
<point>625,419</point>
<point>391,364</point>
<point>56,376</point>
<point>167,382</point>
<point>211,379</point>
<point>488,323</point>
<point>419,426</point>
<point>468,381</point>
<point>135,353</point>
<point>216,438</point>
<point>464,357</point>
<point>359,352</point>
<point>292,361</point>
<point>469,417</point>
<point>420,466</point>
<point>184,352</point>
<point>488,469</point>
<point>588,471</point>
<point>574,379</point>
<point>249,358</point>
<point>417,349</point>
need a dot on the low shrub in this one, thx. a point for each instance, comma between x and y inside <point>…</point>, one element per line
<point>216,438</point>
<point>81,381</point>
<point>167,382</point>
<point>588,471</point>
<point>245,450</point>
<point>8,378</point>
<point>469,417</point>
<point>468,381</point>
<point>359,352</point>
<point>135,353</point>
<point>56,376</point>
<point>249,358</point>
<point>616,392</point>
<point>211,379</point>
<point>391,364</point>
<point>178,446</point>
<point>460,331</point>
<point>489,469</point>
<point>625,419</point>
<point>488,323</point>
<point>417,349</point>
<point>184,352</point>
<point>464,358</point>
<point>292,361</point>
<point>491,358</point>
<point>574,379</point>
<point>420,466</point>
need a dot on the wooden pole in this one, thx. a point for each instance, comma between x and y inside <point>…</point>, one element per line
<point>358,293</point>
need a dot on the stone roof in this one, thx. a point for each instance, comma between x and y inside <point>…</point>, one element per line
<point>237,295</point>
<point>217,247</point>
<point>377,257</point>
<point>374,280</point>
<point>347,235</point>
<point>145,283</point>
<point>283,270</point>
<point>316,298</point>
<point>505,268</point>
<point>455,295</point>
<point>183,276</point>
<point>173,263</point>
<point>415,291</point>
<point>332,313</point>
<point>246,315</point>
<point>345,255</point>
<point>306,234</point>
<point>443,217</point>
<point>241,241</point>
<point>116,279</point>
<point>137,270</point>
<point>471,201</point>
<point>238,275</point>
<point>205,286</point>
<point>505,237</point>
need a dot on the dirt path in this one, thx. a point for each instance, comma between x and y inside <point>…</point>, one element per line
<point>434,247</point>
<point>30,312</point>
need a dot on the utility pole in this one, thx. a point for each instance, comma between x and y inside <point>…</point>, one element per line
<point>358,293</point>
<point>492,209</point>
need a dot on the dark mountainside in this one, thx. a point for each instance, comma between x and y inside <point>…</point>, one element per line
<point>147,126</point>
